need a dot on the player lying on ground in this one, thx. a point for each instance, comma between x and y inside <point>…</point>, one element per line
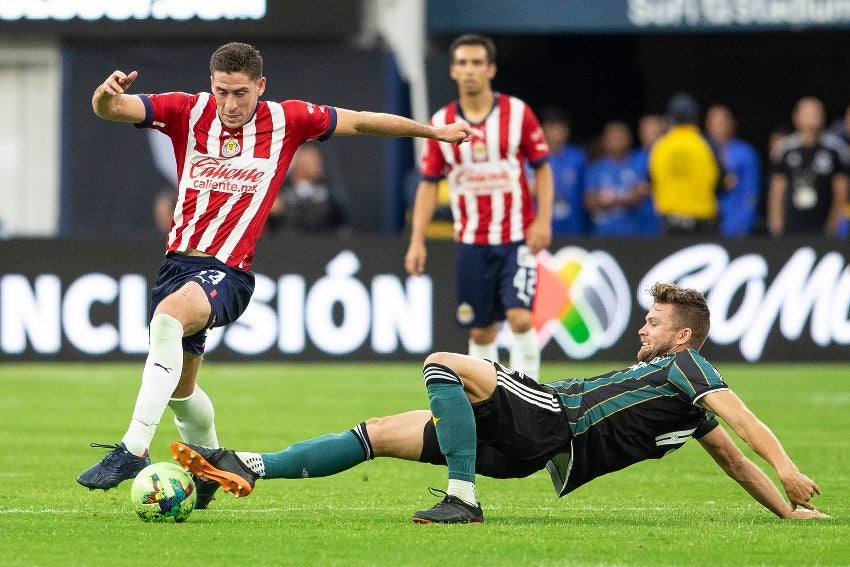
<point>490,420</point>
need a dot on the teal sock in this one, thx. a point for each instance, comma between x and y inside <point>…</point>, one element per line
<point>322,456</point>
<point>453,420</point>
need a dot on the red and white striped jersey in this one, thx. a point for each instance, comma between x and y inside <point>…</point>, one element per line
<point>490,199</point>
<point>228,179</point>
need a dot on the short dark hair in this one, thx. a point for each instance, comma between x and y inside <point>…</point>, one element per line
<point>689,309</point>
<point>475,39</point>
<point>237,57</point>
<point>683,109</point>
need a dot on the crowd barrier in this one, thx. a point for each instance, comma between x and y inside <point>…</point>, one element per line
<point>322,298</point>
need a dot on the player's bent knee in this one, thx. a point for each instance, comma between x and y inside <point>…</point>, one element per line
<point>443,358</point>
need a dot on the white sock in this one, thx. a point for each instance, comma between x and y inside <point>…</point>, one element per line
<point>253,461</point>
<point>159,378</point>
<point>489,351</point>
<point>464,490</point>
<point>194,417</point>
<point>525,354</point>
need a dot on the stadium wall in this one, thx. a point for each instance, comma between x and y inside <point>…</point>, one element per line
<point>323,298</point>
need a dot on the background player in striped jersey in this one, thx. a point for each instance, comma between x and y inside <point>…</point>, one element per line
<point>495,223</point>
<point>232,151</point>
<point>490,420</point>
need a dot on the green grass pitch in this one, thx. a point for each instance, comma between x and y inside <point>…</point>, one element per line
<point>681,510</point>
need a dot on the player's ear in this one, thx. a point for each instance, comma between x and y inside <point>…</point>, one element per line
<point>491,71</point>
<point>683,337</point>
<point>261,86</point>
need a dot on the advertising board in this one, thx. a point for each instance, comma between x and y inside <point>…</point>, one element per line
<point>327,299</point>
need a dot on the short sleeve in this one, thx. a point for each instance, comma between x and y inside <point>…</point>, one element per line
<point>310,121</point>
<point>432,164</point>
<point>165,111</point>
<point>533,142</point>
<point>705,427</point>
<point>694,375</point>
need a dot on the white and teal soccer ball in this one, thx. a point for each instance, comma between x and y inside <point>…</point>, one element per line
<point>163,492</point>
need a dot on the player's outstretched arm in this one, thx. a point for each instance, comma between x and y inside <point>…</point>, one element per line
<point>351,122</point>
<point>799,488</point>
<point>111,102</point>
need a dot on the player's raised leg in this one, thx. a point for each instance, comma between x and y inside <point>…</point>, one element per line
<point>452,382</point>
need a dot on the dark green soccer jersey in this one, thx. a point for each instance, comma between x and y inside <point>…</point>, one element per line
<point>638,413</point>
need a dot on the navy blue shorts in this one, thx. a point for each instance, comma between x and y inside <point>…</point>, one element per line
<point>492,279</point>
<point>228,289</point>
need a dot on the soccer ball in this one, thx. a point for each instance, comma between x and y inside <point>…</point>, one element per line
<point>162,492</point>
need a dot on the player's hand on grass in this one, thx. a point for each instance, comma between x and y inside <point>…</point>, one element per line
<point>414,260</point>
<point>800,490</point>
<point>806,514</point>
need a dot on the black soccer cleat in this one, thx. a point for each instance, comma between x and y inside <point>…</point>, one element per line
<point>205,490</point>
<point>117,466</point>
<point>452,510</point>
<point>220,465</point>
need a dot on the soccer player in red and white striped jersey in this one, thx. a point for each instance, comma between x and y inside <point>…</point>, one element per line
<point>497,226</point>
<point>232,151</point>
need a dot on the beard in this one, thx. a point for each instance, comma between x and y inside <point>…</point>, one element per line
<point>650,352</point>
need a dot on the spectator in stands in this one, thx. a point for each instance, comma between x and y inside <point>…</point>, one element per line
<point>568,162</point>
<point>685,172</point>
<point>841,127</point>
<point>775,143</point>
<point>309,202</point>
<point>809,185</point>
<point>650,127</point>
<point>740,198</point>
<point>617,193</point>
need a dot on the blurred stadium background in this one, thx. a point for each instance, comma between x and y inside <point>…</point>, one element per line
<point>77,193</point>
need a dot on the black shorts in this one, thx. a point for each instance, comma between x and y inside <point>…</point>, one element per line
<point>520,427</point>
<point>228,289</point>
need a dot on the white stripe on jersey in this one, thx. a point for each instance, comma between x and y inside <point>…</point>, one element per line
<point>179,221</point>
<point>514,140</point>
<point>439,120</point>
<point>203,197</point>
<point>214,141</point>
<point>249,137</point>
<point>494,155</point>
<point>487,197</point>
<point>540,399</point>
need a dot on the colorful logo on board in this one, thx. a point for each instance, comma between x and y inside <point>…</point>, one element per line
<point>583,300</point>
